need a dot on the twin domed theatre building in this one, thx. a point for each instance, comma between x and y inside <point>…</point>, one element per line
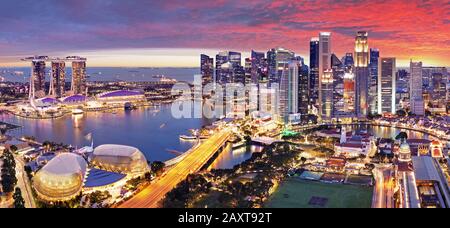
<point>57,99</point>
<point>106,168</point>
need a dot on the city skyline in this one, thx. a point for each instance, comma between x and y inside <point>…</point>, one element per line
<point>163,34</point>
<point>225,104</point>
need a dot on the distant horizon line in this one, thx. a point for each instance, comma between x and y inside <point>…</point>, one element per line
<point>2,67</point>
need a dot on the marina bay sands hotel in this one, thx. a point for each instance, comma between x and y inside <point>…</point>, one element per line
<point>58,76</point>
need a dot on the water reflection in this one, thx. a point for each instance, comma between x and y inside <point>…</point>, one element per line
<point>387,132</point>
<point>231,157</point>
<point>140,128</point>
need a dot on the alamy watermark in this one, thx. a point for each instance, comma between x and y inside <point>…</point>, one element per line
<point>227,100</point>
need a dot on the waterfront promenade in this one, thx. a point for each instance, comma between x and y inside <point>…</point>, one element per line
<point>155,192</point>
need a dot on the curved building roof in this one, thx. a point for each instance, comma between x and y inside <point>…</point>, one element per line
<point>62,178</point>
<point>404,148</point>
<point>116,150</point>
<point>436,143</point>
<point>98,178</point>
<point>48,100</point>
<point>74,98</point>
<point>121,159</point>
<point>66,163</point>
<point>120,93</point>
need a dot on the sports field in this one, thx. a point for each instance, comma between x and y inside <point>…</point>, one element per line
<point>295,193</point>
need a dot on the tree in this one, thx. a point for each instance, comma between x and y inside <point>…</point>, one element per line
<point>8,172</point>
<point>157,167</point>
<point>3,130</point>
<point>13,148</point>
<point>19,202</point>
<point>303,159</point>
<point>29,171</point>
<point>402,136</point>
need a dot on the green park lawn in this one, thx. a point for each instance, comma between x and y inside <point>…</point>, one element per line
<point>294,193</point>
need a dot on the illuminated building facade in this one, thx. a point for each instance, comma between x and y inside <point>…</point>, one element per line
<point>206,69</point>
<point>78,85</point>
<point>278,59</point>
<point>248,70</point>
<point>427,76</point>
<point>303,89</point>
<point>122,159</point>
<point>338,87</point>
<point>258,67</point>
<point>361,73</point>
<point>325,77</point>
<point>415,88</point>
<point>327,95</point>
<point>386,86</point>
<point>58,79</point>
<point>438,93</point>
<point>348,61</point>
<point>38,77</point>
<point>373,81</point>
<point>402,86</point>
<point>314,70</point>
<point>349,92</point>
<point>61,179</point>
<point>288,103</point>
<point>228,68</point>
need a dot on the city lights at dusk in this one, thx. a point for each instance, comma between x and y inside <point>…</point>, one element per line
<point>218,105</point>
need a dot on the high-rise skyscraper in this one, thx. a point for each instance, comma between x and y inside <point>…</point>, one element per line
<point>206,69</point>
<point>78,75</point>
<point>38,77</point>
<point>439,83</point>
<point>402,89</point>
<point>338,87</point>
<point>373,81</point>
<point>348,61</point>
<point>278,58</point>
<point>325,77</point>
<point>228,68</point>
<point>58,79</point>
<point>314,70</point>
<point>248,70</point>
<point>349,91</point>
<point>427,76</point>
<point>386,85</point>
<point>415,88</point>
<point>361,73</point>
<point>303,89</point>
<point>289,84</point>
<point>258,67</point>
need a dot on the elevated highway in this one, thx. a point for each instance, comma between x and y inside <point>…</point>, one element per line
<point>193,162</point>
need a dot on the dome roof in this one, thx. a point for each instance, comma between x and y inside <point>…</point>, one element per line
<point>48,100</point>
<point>436,143</point>
<point>62,178</point>
<point>121,159</point>
<point>74,98</point>
<point>120,93</point>
<point>116,150</point>
<point>66,163</point>
<point>404,148</point>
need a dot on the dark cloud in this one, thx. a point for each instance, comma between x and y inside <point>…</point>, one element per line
<point>30,26</point>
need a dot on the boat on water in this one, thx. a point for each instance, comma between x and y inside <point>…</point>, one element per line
<point>129,106</point>
<point>77,111</point>
<point>162,126</point>
<point>188,137</point>
<point>239,145</point>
